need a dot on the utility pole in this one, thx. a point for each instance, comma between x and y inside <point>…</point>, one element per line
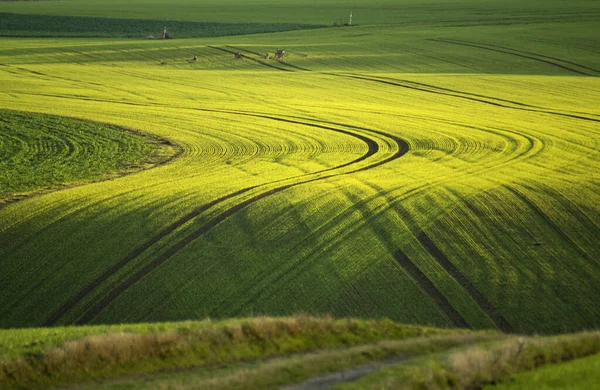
<point>350,23</point>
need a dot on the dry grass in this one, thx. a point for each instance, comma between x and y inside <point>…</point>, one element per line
<point>485,363</point>
<point>277,372</point>
<point>477,366</point>
<point>115,354</point>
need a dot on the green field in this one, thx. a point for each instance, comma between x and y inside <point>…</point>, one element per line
<point>26,25</point>
<point>49,357</point>
<point>268,353</point>
<point>560,361</point>
<point>437,163</point>
<point>578,374</point>
<point>42,152</point>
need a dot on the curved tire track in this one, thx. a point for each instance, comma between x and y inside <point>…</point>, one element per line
<point>372,149</point>
<point>513,53</point>
<point>467,96</point>
<point>526,52</point>
<point>403,148</point>
<point>75,299</point>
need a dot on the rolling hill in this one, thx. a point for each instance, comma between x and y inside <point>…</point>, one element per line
<point>434,166</point>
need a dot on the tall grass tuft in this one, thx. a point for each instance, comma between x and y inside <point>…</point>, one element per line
<point>192,345</point>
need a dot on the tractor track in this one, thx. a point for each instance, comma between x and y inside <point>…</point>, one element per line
<point>465,95</point>
<point>427,285</point>
<point>524,52</point>
<point>412,85</point>
<point>75,299</point>
<point>521,196</point>
<point>372,146</point>
<point>513,52</point>
<point>465,283</point>
<point>393,200</point>
<point>244,50</point>
<point>403,148</point>
<point>395,82</point>
<point>410,267</point>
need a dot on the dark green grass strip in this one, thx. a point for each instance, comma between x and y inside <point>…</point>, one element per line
<point>431,290</point>
<point>76,26</point>
<point>41,153</point>
<point>480,299</point>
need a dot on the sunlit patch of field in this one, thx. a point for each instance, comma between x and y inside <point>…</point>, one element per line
<point>442,176</point>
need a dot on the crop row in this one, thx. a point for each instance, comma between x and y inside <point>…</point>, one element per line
<point>488,221</point>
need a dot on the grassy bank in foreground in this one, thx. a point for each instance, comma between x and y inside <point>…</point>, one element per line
<point>578,374</point>
<point>40,358</point>
<point>475,366</point>
<point>268,353</point>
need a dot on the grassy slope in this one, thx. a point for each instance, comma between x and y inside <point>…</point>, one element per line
<point>475,366</point>
<point>506,195</point>
<point>578,374</point>
<point>44,151</point>
<point>25,25</point>
<point>268,353</point>
<point>317,12</point>
<point>42,358</point>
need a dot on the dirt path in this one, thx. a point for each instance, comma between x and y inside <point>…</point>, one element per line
<point>346,375</point>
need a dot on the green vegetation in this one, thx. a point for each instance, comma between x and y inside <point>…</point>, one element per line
<point>442,171</point>
<point>579,374</point>
<point>32,358</point>
<point>41,151</point>
<point>399,12</point>
<point>20,25</point>
<point>268,353</point>
<point>474,366</point>
<point>273,373</point>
